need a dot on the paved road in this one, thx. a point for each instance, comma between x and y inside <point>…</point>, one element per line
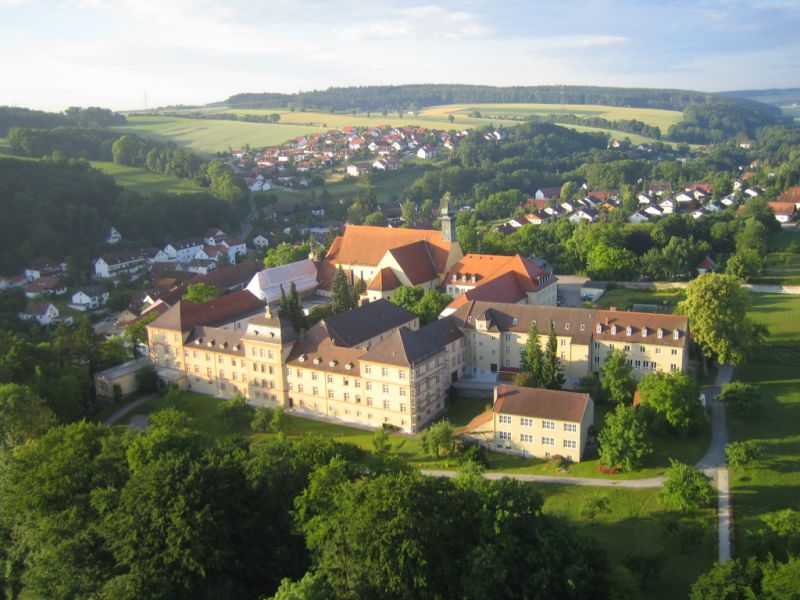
<point>124,410</point>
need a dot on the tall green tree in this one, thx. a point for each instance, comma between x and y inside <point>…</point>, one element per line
<point>341,294</point>
<point>23,415</point>
<point>551,377</point>
<point>671,402</point>
<point>623,439</point>
<point>717,308</point>
<point>617,383</point>
<point>686,487</point>
<point>533,358</point>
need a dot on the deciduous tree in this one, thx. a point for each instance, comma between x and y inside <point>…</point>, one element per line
<point>616,380</point>
<point>686,487</point>
<point>623,439</point>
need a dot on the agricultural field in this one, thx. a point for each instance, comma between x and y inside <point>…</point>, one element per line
<point>652,116</point>
<point>145,182</point>
<point>774,482</point>
<point>208,136</point>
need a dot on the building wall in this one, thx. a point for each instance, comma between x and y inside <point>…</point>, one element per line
<point>547,296</point>
<point>643,356</point>
<point>564,438</point>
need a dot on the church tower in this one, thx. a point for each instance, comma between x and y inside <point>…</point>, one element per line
<point>448,224</point>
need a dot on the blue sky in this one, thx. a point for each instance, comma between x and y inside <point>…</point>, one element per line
<point>58,53</point>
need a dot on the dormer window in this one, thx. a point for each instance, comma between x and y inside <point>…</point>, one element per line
<point>660,333</point>
<point>472,279</point>
<point>236,348</point>
<point>676,335</point>
<point>628,330</point>
<point>644,331</point>
<point>514,322</point>
<point>348,366</point>
<point>583,327</point>
<point>318,360</point>
<point>614,330</point>
<point>210,343</point>
<point>566,326</point>
<point>464,277</point>
<point>599,328</point>
<point>333,362</point>
<point>302,358</point>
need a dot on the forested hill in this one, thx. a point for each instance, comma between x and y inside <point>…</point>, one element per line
<point>14,116</point>
<point>408,97</point>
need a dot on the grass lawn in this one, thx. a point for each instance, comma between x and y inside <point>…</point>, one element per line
<point>145,182</point>
<point>634,525</point>
<point>624,298</point>
<point>5,147</point>
<point>780,268</point>
<point>774,483</point>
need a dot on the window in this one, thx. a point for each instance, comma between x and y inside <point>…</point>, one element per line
<point>505,419</point>
<point>233,362</point>
<point>269,354</point>
<point>504,435</point>
<point>402,374</point>
<point>641,349</point>
<point>526,438</point>
<point>315,391</point>
<point>386,405</point>
<point>597,360</point>
<point>300,389</point>
<point>357,383</point>
<point>402,408</point>
<point>674,352</point>
<point>235,376</point>
<point>330,393</point>
<point>368,369</point>
<point>345,381</point>
<point>384,372</point>
<point>637,364</point>
<point>508,363</point>
<point>253,352</point>
<point>508,350</point>
<point>255,367</point>
<point>369,386</point>
<point>330,379</point>
<point>597,345</point>
<point>548,441</point>
<point>369,401</point>
<point>570,427</point>
<point>314,376</point>
<point>563,342</point>
<point>346,397</point>
<point>526,422</point>
<point>291,387</point>
<point>658,351</point>
<point>507,337</point>
<point>208,357</point>
<point>402,391</point>
<point>627,348</point>
<point>208,372</point>
<point>563,356</point>
<point>570,444</point>
<point>385,389</point>
<point>566,326</point>
<point>673,367</point>
<point>548,425</point>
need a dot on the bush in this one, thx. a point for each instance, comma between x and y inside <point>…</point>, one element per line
<point>236,411</point>
<point>278,421</point>
<point>476,454</point>
<point>740,454</point>
<point>686,487</point>
<point>174,397</point>
<point>261,420</point>
<point>740,399</point>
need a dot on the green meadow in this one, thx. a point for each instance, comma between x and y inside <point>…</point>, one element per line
<point>145,182</point>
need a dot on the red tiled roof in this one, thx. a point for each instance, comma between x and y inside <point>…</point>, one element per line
<point>384,281</point>
<point>365,245</point>
<point>790,195</point>
<point>416,262</point>
<point>786,209</point>
<point>541,403</point>
<point>184,315</point>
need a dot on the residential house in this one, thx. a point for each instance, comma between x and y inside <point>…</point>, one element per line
<point>42,267</point>
<point>791,195</point>
<point>89,298</point>
<point>785,212</point>
<point>113,236</point>
<point>639,217</point>
<point>46,286</point>
<point>359,169</point>
<point>706,266</point>
<point>535,422</point>
<point>583,214</point>
<point>114,264</point>
<point>260,242</point>
<point>43,313</point>
<point>548,193</point>
<point>184,250</point>
<point>426,152</point>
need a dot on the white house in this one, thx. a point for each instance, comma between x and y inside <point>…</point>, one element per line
<point>89,299</point>
<point>113,236</point>
<point>260,241</point>
<point>43,267</point>
<point>184,250</point>
<point>115,264</point>
<point>668,206</point>
<point>638,217</point>
<point>43,313</point>
<point>236,247</point>
<point>426,152</point>
<point>653,210</point>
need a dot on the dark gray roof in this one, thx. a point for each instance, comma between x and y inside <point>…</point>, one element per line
<point>404,347</point>
<point>360,324</point>
<point>443,331</point>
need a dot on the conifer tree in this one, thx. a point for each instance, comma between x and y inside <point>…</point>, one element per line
<point>341,294</point>
<point>551,376</point>
<point>532,358</point>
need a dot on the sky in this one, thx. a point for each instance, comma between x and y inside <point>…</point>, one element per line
<point>125,54</point>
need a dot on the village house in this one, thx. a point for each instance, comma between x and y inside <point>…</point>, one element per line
<point>49,285</point>
<point>260,242</point>
<point>43,267</point>
<point>89,298</point>
<point>785,212</point>
<point>114,264</point>
<point>43,313</point>
<point>113,236</point>
<point>533,422</point>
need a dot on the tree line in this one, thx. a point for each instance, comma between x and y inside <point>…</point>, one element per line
<point>409,97</point>
<point>129,150</point>
<point>74,116</point>
<point>218,116</point>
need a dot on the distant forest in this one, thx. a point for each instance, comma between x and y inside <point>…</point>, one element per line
<point>93,116</point>
<point>410,97</point>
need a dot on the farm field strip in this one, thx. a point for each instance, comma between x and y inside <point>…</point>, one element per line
<point>145,182</point>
